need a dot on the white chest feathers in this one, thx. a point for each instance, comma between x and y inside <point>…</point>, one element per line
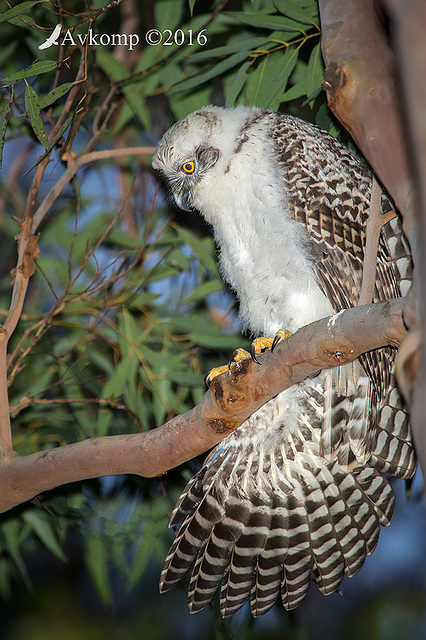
<point>263,250</point>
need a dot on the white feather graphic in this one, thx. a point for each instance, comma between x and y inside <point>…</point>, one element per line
<point>52,39</point>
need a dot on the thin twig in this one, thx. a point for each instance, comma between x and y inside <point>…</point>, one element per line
<point>72,170</point>
<point>6,447</point>
<point>80,77</point>
<point>26,252</point>
<point>375,221</point>
<point>28,400</point>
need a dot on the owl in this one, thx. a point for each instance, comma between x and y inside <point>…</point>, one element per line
<point>296,493</point>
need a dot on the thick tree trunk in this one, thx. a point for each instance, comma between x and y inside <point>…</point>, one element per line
<point>409,27</point>
<point>361,86</point>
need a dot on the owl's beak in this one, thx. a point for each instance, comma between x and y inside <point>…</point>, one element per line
<point>183,200</point>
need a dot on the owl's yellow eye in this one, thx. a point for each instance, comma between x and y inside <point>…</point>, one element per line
<point>188,167</point>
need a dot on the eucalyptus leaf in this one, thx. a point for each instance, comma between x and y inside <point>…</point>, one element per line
<point>262,21</point>
<point>211,72</point>
<point>97,557</point>
<point>35,69</point>
<point>246,44</point>
<point>235,84</point>
<point>270,79</point>
<point>55,94</point>
<point>296,91</point>
<point>191,5</point>
<point>44,527</point>
<point>215,340</point>
<point>305,12</point>
<point>314,72</point>
<point>203,290</point>
<point>203,248</point>
<point>3,124</point>
<point>19,10</point>
<point>32,106</point>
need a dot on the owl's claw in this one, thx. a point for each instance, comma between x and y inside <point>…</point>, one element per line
<point>257,346</point>
<point>213,373</point>
<point>281,335</point>
<point>262,344</point>
<point>253,355</point>
<point>237,355</point>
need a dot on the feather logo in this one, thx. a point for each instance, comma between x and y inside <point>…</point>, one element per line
<point>90,39</point>
<point>53,38</point>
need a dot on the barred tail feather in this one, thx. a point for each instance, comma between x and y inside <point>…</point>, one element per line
<point>393,450</point>
<point>348,412</point>
<point>191,537</point>
<point>212,562</point>
<point>260,519</point>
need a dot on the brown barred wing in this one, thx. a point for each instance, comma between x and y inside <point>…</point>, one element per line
<point>267,511</point>
<point>329,193</point>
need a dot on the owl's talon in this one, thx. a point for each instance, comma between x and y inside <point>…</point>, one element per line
<point>263,344</point>
<point>258,346</point>
<point>253,354</point>
<point>237,355</point>
<point>281,335</point>
<point>213,373</point>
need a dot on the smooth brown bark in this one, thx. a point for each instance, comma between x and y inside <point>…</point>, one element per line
<point>409,28</point>
<point>360,83</point>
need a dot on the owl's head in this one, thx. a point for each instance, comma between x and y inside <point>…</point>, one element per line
<point>189,151</point>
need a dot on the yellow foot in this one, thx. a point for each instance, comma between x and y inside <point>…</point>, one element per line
<point>262,344</point>
<point>281,335</point>
<point>238,354</point>
<point>257,346</point>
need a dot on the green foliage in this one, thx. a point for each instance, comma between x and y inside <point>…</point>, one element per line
<point>131,534</point>
<point>32,107</point>
<point>126,311</point>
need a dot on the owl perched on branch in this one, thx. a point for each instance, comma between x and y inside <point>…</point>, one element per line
<point>296,490</point>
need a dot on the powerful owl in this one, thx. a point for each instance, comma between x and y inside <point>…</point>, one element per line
<point>296,491</point>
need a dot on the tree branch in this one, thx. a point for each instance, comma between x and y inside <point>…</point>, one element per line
<point>6,447</point>
<point>233,397</point>
<point>72,169</point>
<point>27,252</point>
